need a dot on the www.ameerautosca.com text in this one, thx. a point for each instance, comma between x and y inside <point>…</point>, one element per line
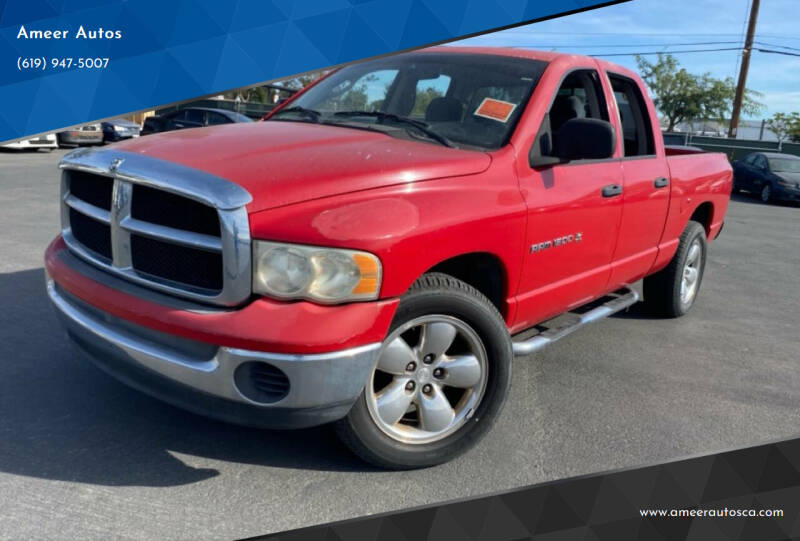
<point>724,512</point>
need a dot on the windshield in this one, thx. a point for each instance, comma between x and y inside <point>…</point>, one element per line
<point>784,165</point>
<point>454,99</point>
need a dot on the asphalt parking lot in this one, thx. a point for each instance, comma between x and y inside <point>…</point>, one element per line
<point>81,454</point>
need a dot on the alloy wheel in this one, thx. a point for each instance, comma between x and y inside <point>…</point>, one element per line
<point>690,281</point>
<point>430,378</point>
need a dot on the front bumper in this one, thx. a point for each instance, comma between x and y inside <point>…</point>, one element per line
<point>213,381</point>
<point>783,193</point>
<point>266,364</point>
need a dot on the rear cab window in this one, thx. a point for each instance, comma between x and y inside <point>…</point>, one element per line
<point>634,119</point>
<point>427,91</point>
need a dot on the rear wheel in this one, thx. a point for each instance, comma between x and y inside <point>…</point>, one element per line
<point>441,379</point>
<point>672,291</point>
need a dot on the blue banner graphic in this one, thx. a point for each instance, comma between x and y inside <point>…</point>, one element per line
<point>63,62</point>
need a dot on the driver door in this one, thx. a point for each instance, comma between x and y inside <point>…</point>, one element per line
<point>573,218</point>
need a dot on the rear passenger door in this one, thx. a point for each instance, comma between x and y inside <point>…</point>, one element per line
<point>645,184</point>
<point>743,172</point>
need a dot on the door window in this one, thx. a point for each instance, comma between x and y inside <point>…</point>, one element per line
<point>216,118</point>
<point>579,96</point>
<point>179,116</point>
<point>195,116</point>
<point>634,118</point>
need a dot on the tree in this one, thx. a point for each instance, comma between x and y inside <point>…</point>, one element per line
<point>684,97</point>
<point>785,126</point>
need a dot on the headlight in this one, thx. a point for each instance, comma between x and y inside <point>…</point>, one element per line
<point>118,128</point>
<point>326,275</point>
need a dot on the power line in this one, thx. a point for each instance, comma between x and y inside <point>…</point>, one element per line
<point>777,46</point>
<point>573,34</point>
<point>626,45</point>
<point>770,51</point>
<point>670,52</point>
<point>645,53</point>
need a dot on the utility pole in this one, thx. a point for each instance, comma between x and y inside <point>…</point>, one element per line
<point>740,88</point>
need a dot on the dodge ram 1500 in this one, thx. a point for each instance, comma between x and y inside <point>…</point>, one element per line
<point>379,248</point>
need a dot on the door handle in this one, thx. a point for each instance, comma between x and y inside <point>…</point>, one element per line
<point>661,182</point>
<point>612,190</point>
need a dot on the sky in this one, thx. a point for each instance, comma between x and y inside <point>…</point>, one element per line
<point>659,25</point>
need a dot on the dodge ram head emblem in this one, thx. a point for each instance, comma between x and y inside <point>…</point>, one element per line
<point>115,163</point>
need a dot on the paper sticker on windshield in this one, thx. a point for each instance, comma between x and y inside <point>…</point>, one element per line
<point>495,109</point>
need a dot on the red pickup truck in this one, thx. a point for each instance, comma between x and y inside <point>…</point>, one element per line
<point>377,251</point>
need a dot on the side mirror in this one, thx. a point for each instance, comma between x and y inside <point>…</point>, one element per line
<point>541,154</point>
<point>585,139</point>
<point>577,139</point>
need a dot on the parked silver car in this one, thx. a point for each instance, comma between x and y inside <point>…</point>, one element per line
<point>90,134</point>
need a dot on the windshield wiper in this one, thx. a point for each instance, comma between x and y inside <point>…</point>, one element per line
<point>308,113</point>
<point>418,124</point>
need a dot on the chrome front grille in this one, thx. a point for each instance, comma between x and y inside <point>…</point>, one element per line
<point>159,224</point>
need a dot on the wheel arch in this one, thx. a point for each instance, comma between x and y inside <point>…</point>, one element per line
<point>704,215</point>
<point>484,271</point>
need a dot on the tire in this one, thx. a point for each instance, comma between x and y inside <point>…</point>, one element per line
<point>766,194</point>
<point>432,303</point>
<point>663,291</point>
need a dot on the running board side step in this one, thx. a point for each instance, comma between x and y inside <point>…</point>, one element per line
<point>622,300</point>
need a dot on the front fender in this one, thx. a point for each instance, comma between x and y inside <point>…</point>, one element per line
<point>411,228</point>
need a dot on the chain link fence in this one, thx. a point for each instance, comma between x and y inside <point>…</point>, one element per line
<point>735,149</point>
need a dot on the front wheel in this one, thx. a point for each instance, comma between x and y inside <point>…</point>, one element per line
<point>442,376</point>
<point>672,291</point>
<point>766,193</point>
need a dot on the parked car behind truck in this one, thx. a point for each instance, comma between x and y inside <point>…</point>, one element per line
<point>90,134</point>
<point>770,175</point>
<point>191,117</point>
<point>119,129</point>
<point>377,251</point>
<point>47,142</point>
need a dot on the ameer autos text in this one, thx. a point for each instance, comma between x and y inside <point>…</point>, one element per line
<point>81,33</point>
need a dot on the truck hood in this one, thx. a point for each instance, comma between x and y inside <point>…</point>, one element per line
<point>281,163</point>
